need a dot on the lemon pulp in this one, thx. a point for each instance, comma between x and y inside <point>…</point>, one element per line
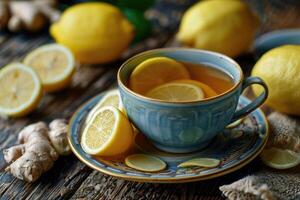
<point>20,90</point>
<point>108,133</point>
<point>111,98</point>
<point>280,158</point>
<point>54,64</point>
<point>154,72</point>
<point>176,92</point>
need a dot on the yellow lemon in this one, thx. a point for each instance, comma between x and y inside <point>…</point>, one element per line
<point>96,32</point>
<point>54,64</point>
<point>208,91</point>
<point>20,90</point>
<point>154,72</point>
<point>143,162</point>
<point>111,98</point>
<point>108,133</point>
<point>280,69</point>
<point>280,158</point>
<point>201,162</point>
<point>176,92</point>
<point>227,26</point>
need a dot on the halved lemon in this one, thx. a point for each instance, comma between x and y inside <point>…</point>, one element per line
<point>20,90</point>
<point>154,72</point>
<point>108,133</point>
<point>208,91</point>
<point>143,162</point>
<point>111,98</point>
<point>280,158</point>
<point>54,64</point>
<point>176,92</point>
<point>201,162</point>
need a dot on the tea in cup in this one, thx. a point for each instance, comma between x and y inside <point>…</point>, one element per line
<point>182,98</point>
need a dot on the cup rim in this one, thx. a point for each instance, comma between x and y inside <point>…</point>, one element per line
<point>236,85</point>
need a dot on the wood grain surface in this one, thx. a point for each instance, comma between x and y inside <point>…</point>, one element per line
<point>71,179</point>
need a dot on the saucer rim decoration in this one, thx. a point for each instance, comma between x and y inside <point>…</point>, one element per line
<point>102,165</point>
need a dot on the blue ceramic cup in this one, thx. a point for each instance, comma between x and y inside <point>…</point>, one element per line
<point>188,126</point>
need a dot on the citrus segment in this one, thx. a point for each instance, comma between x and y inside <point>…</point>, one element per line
<point>280,158</point>
<point>208,91</point>
<point>201,162</point>
<point>154,72</point>
<point>54,64</point>
<point>176,92</point>
<point>108,133</point>
<point>111,98</point>
<point>145,163</point>
<point>20,90</point>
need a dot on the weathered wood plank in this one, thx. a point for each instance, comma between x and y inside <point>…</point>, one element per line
<point>100,186</point>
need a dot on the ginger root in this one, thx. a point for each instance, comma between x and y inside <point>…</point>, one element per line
<point>27,15</point>
<point>57,136</point>
<point>4,15</point>
<point>36,151</point>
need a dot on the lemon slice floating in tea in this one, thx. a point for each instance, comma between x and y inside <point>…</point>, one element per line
<point>280,158</point>
<point>201,162</point>
<point>54,64</point>
<point>208,91</point>
<point>143,162</point>
<point>111,98</point>
<point>154,72</point>
<point>176,92</point>
<point>20,90</point>
<point>108,133</point>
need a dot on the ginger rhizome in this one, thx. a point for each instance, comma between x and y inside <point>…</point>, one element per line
<point>37,150</point>
<point>31,15</point>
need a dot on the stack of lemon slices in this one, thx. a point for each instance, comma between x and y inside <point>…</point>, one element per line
<point>48,68</point>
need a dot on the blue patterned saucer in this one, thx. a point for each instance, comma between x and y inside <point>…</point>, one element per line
<point>235,148</point>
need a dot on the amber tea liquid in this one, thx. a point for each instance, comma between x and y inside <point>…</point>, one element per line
<point>218,80</point>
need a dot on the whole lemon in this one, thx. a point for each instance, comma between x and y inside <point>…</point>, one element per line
<point>227,26</point>
<point>280,69</point>
<point>95,32</point>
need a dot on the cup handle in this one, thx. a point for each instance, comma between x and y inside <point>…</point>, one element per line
<point>254,104</point>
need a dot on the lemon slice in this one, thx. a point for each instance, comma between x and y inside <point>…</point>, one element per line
<point>146,163</point>
<point>108,133</point>
<point>235,123</point>
<point>154,72</point>
<point>111,98</point>
<point>201,162</point>
<point>208,91</point>
<point>176,92</point>
<point>20,90</point>
<point>280,158</point>
<point>54,64</point>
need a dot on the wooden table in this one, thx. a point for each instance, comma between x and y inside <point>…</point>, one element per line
<point>69,178</point>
